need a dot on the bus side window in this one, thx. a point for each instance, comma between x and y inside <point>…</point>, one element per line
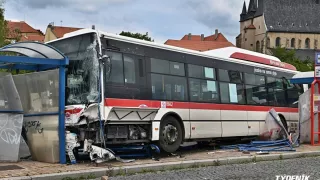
<point>116,69</point>
<point>231,87</point>
<point>129,69</point>
<point>276,92</point>
<point>255,89</point>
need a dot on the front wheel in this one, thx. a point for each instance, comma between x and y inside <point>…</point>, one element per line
<point>170,134</point>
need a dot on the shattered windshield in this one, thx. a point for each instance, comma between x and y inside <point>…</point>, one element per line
<point>83,69</point>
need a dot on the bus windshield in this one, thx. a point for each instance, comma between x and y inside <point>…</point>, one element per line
<point>83,69</point>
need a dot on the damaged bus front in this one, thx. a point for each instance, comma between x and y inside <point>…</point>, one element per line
<point>83,93</point>
<point>87,76</point>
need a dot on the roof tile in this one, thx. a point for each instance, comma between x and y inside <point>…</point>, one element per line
<point>59,31</point>
<point>22,26</point>
<point>195,43</point>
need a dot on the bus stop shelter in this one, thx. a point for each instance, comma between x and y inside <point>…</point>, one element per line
<point>42,96</point>
<point>309,107</point>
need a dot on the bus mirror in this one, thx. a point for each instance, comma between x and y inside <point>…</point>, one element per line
<point>104,58</point>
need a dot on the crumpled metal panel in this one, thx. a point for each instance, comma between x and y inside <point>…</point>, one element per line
<point>305,118</point>
<point>42,138</point>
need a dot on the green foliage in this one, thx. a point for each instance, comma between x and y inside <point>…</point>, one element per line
<point>289,56</point>
<point>5,32</point>
<point>137,35</point>
<point>3,27</point>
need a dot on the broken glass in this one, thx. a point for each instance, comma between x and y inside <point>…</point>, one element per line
<point>83,69</point>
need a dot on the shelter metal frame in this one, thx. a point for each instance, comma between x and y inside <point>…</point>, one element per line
<point>37,56</point>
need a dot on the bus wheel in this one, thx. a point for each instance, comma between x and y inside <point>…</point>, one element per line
<point>170,134</point>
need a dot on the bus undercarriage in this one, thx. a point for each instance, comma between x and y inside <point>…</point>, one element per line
<point>95,135</point>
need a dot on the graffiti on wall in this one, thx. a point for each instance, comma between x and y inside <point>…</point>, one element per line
<point>10,128</point>
<point>35,125</point>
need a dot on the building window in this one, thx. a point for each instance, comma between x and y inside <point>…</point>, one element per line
<point>258,46</point>
<point>293,42</point>
<point>307,43</point>
<point>299,44</point>
<point>278,42</point>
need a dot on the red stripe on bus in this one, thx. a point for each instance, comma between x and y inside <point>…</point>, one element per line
<point>133,103</point>
<point>262,60</point>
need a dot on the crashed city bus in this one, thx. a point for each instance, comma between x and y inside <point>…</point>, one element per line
<point>155,93</point>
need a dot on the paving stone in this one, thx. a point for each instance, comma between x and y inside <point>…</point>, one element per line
<point>252,171</point>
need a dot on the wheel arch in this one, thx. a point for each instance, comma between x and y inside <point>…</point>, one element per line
<point>177,117</point>
<point>283,120</point>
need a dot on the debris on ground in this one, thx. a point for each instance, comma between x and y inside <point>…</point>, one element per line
<point>263,146</point>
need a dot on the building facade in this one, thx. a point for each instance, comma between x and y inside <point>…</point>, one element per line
<point>293,24</point>
<point>55,32</point>
<point>200,42</point>
<point>22,31</point>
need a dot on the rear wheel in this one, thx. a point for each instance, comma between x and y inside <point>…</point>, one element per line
<point>170,134</point>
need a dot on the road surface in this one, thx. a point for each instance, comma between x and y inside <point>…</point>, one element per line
<point>256,171</point>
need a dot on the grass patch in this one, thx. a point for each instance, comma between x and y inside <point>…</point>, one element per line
<point>90,176</point>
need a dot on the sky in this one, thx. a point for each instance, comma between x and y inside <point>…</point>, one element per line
<point>162,19</point>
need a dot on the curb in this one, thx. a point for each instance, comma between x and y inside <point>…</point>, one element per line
<point>128,170</point>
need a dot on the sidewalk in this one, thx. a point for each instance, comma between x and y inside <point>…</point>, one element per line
<point>189,158</point>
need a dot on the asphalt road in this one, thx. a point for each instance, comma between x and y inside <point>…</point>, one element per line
<point>256,171</point>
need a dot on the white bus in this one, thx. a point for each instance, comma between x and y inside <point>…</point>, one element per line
<point>151,92</point>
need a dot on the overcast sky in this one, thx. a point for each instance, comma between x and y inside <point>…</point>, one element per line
<point>163,19</point>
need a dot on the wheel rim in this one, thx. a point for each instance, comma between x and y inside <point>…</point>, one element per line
<point>170,134</point>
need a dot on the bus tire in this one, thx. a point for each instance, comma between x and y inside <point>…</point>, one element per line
<point>170,137</point>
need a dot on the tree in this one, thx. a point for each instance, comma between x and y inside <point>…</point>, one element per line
<point>289,56</point>
<point>137,35</point>
<point>3,27</point>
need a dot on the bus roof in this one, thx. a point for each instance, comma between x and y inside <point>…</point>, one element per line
<point>236,55</point>
<point>227,52</point>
